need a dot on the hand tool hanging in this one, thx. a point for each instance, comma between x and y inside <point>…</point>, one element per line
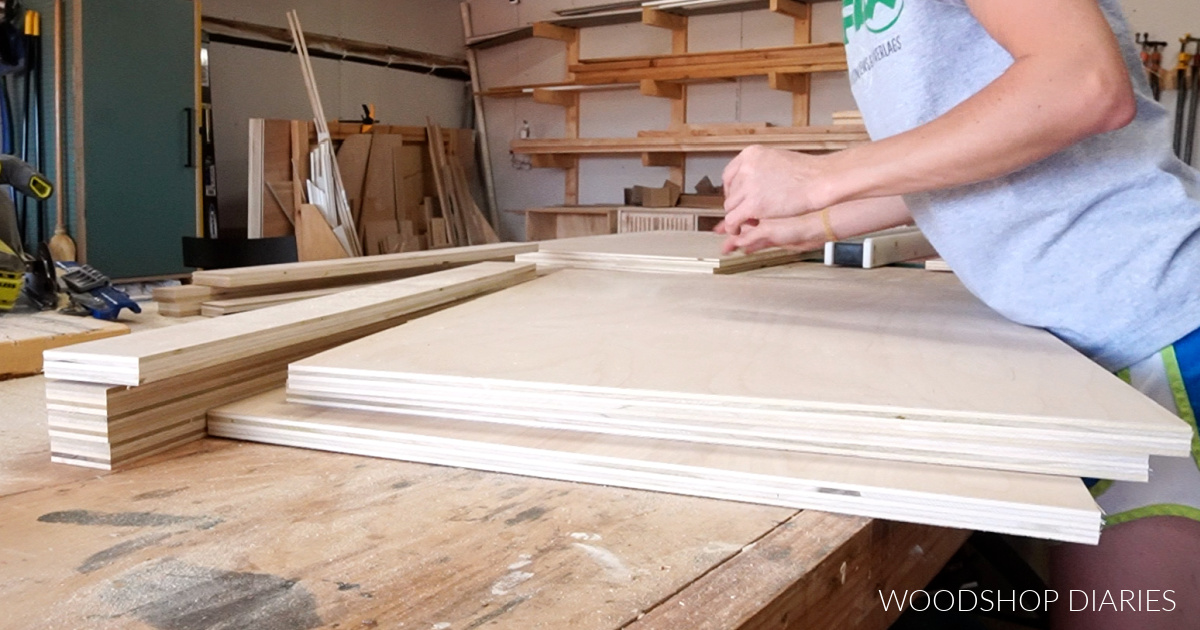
<point>62,246</point>
<point>31,137</point>
<point>1187,80</point>
<point>12,62</point>
<point>1194,92</point>
<point>1152,61</point>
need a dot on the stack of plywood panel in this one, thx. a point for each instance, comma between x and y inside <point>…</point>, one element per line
<point>903,400</point>
<point>115,401</point>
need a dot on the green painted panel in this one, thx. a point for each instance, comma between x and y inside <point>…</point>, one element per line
<point>138,81</point>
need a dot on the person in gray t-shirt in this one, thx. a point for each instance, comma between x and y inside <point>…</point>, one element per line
<point>1021,137</point>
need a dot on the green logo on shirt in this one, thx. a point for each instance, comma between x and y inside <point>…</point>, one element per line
<point>877,16</point>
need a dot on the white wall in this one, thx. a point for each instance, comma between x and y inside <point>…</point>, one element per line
<point>251,83</point>
<point>623,113</point>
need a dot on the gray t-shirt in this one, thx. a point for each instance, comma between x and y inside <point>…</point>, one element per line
<point>1098,243</point>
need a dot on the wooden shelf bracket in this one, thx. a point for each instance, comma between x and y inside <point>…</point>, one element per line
<point>554,160</point>
<point>546,30</point>
<point>673,160</point>
<point>663,19</point>
<point>662,89</point>
<point>562,98</point>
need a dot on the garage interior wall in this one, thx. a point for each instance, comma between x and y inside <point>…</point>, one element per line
<point>625,112</point>
<point>251,83</point>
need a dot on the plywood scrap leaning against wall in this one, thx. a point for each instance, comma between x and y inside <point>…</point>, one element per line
<point>466,224</point>
<point>1057,508</point>
<point>324,187</point>
<point>918,371</point>
<point>114,403</point>
<point>387,174</point>
<point>662,251</point>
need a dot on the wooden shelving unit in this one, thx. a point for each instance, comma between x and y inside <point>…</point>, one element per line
<point>787,68</point>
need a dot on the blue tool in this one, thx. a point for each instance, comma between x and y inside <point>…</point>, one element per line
<point>92,293</point>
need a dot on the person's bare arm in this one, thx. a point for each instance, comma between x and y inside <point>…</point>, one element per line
<point>1067,82</point>
<point>807,232</point>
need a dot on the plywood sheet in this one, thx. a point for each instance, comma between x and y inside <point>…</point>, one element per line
<point>684,252</point>
<point>916,365</point>
<point>1029,505</point>
<point>24,337</point>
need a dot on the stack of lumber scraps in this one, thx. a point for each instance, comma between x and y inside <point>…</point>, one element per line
<point>227,291</point>
<point>903,400</point>
<point>660,251</point>
<point>404,193</point>
<point>464,222</point>
<point>114,401</point>
<point>323,188</point>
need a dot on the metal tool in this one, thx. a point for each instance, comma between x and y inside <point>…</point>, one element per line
<point>1187,83</point>
<point>92,293</point>
<point>1152,61</point>
<point>13,260</point>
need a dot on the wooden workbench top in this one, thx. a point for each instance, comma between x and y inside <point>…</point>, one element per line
<point>222,534</point>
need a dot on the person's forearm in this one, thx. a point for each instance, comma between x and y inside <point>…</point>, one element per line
<point>1046,101</point>
<point>855,218</point>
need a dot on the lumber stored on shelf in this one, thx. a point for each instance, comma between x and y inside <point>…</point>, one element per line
<point>162,353</point>
<point>1058,508</point>
<point>918,371</point>
<point>830,138</point>
<point>799,59</point>
<point>659,251</point>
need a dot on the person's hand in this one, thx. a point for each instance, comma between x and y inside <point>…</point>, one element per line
<point>762,183</point>
<point>803,233</point>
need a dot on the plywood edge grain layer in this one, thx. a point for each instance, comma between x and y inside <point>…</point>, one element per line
<point>1073,460</point>
<point>1030,505</point>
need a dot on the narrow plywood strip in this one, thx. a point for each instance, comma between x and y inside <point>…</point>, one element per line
<point>218,308</point>
<point>23,338</point>
<point>288,274</point>
<point>162,353</point>
<point>1029,505</point>
<point>698,252</point>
